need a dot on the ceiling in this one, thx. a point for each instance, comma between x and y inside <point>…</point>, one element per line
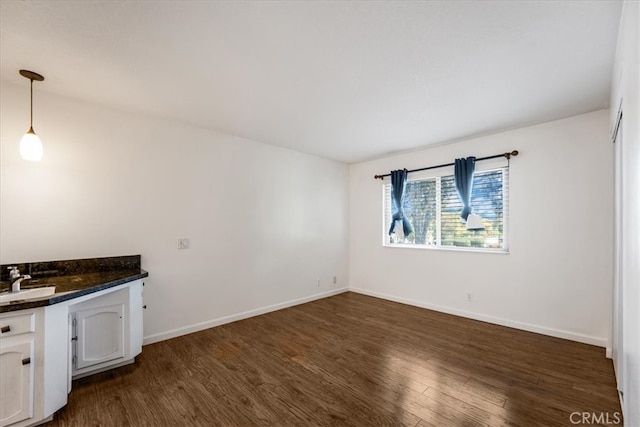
<point>346,80</point>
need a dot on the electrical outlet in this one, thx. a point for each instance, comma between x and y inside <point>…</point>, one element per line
<point>469,296</point>
<point>335,279</point>
<point>183,243</point>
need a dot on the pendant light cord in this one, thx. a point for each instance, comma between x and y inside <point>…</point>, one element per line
<point>31,117</point>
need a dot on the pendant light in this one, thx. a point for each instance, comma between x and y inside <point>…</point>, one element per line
<point>30,144</point>
<point>474,223</point>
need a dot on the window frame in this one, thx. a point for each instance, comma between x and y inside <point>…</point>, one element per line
<point>445,172</point>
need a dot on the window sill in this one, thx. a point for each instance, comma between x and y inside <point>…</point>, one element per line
<point>448,249</point>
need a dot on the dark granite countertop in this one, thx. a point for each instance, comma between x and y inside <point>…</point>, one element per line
<point>73,278</point>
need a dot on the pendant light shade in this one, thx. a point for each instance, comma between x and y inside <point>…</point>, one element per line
<point>30,144</point>
<point>474,223</point>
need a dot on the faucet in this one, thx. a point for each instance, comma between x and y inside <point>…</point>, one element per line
<point>15,278</point>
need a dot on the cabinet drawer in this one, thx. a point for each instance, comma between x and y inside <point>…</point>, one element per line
<point>15,325</point>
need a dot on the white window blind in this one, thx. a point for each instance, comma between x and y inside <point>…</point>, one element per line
<point>433,208</point>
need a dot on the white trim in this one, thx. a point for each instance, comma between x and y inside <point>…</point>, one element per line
<point>89,372</point>
<point>586,339</point>
<point>448,248</point>
<point>609,353</point>
<point>235,317</point>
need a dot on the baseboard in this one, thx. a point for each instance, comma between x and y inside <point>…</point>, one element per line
<point>88,372</point>
<point>586,339</point>
<point>609,353</point>
<point>235,317</point>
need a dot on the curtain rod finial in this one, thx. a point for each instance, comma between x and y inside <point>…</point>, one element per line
<point>513,153</point>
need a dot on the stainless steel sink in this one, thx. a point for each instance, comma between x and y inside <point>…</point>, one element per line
<point>27,294</point>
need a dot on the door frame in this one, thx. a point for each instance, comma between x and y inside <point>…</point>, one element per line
<point>617,343</point>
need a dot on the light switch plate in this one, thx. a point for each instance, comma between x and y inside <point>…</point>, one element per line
<point>183,243</point>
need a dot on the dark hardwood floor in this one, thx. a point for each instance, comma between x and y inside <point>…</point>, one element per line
<point>351,360</point>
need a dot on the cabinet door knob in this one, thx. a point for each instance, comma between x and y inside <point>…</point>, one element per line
<point>144,306</point>
<point>26,360</point>
<point>5,329</point>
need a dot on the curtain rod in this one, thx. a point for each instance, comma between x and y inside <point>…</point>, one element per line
<point>507,155</point>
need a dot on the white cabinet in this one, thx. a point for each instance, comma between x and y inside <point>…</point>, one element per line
<point>99,335</point>
<point>106,329</point>
<point>16,387</point>
<point>32,385</point>
<point>16,370</point>
<point>36,349</point>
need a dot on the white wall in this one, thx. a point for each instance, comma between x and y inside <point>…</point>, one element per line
<point>626,92</point>
<point>264,222</point>
<point>557,277</point>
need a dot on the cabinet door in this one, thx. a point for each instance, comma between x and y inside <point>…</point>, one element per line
<point>16,386</point>
<point>100,335</point>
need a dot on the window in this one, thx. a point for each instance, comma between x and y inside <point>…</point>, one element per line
<point>433,208</point>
